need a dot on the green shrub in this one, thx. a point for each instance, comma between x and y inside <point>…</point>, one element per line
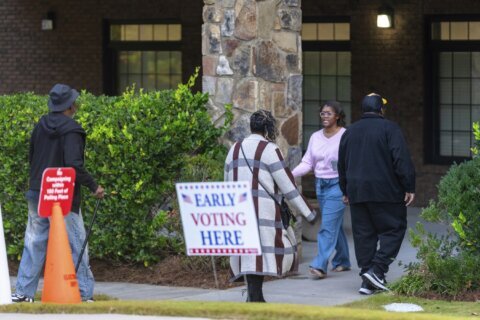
<point>137,145</point>
<point>448,266</point>
<point>441,270</point>
<point>459,203</point>
<point>18,114</point>
<point>476,134</point>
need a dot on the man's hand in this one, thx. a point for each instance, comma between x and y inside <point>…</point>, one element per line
<point>345,200</point>
<point>100,193</point>
<point>409,197</point>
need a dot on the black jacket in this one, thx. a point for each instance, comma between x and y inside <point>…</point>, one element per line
<point>59,141</point>
<point>374,164</point>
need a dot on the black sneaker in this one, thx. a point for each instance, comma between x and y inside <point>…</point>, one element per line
<point>20,298</point>
<point>366,288</point>
<point>377,281</point>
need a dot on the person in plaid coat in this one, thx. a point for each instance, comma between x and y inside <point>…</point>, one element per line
<point>279,256</point>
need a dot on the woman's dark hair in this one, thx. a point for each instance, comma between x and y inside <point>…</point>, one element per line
<point>337,107</point>
<point>263,122</point>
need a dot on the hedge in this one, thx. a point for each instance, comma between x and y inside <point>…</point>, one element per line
<point>137,145</point>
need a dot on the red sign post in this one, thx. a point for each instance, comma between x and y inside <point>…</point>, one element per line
<point>57,186</point>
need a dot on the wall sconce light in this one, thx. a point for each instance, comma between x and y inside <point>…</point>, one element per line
<point>385,17</point>
<point>48,23</point>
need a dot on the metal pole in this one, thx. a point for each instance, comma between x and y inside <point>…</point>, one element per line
<point>87,236</point>
<point>215,271</point>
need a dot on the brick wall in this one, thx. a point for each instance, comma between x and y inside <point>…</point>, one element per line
<point>391,62</point>
<point>33,60</point>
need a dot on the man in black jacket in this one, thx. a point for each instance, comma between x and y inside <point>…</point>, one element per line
<point>377,178</point>
<point>57,141</point>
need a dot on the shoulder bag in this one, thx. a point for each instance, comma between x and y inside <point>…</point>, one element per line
<point>285,212</point>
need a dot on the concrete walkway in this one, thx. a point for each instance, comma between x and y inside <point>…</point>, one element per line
<point>336,289</point>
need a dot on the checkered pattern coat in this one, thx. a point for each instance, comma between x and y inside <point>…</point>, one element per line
<point>278,245</point>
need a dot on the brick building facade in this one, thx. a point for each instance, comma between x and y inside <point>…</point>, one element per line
<point>400,62</point>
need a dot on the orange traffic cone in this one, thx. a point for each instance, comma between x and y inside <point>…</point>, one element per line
<point>59,281</point>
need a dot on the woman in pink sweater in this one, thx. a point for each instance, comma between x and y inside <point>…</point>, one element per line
<point>322,157</point>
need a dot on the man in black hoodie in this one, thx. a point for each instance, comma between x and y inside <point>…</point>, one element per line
<point>57,141</point>
<point>377,178</point>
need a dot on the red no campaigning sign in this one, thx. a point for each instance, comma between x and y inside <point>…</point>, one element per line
<point>58,185</point>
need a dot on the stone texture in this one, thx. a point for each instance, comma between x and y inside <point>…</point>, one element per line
<point>229,46</point>
<point>266,20</point>
<point>276,24</point>
<point>216,113</point>
<point>209,64</point>
<point>211,39</point>
<point>269,62</point>
<point>241,127</point>
<point>254,50</point>
<point>226,3</point>
<point>291,19</point>
<point>278,104</point>
<point>241,61</point>
<point>294,157</point>
<point>245,96</point>
<point>208,2</point>
<point>228,25</point>
<point>292,3</point>
<point>287,41</point>
<point>245,19</point>
<point>293,63</point>
<point>224,90</point>
<point>294,92</point>
<point>211,14</point>
<point>209,84</point>
<point>223,67</point>
<point>290,130</point>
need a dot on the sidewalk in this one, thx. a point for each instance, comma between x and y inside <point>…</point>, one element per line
<point>336,289</point>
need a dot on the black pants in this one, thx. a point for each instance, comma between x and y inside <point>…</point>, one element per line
<point>378,231</point>
<point>254,288</point>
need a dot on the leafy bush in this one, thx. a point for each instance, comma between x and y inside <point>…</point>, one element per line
<point>442,270</point>
<point>476,134</point>
<point>18,114</point>
<point>137,145</point>
<point>448,265</point>
<point>459,203</point>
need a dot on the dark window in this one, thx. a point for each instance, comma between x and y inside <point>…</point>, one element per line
<point>455,89</point>
<point>144,56</point>
<point>326,70</point>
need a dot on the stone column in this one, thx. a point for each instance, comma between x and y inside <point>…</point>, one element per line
<point>252,59</point>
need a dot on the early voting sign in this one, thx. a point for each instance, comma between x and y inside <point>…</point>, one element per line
<point>57,186</point>
<point>218,218</point>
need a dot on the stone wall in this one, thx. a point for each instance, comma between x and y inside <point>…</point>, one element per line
<point>252,59</point>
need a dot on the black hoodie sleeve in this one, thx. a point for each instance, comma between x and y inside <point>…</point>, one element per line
<point>74,146</point>
<point>402,163</point>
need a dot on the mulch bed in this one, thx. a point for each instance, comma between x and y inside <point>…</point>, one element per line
<point>169,272</point>
<point>473,296</point>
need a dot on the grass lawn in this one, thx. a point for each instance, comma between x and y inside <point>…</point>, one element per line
<point>224,310</point>
<point>376,302</point>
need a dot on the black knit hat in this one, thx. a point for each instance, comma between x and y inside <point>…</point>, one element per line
<point>373,103</point>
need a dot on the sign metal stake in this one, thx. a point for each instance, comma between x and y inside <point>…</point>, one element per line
<point>215,272</point>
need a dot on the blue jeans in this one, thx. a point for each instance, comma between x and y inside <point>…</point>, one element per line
<point>331,235</point>
<point>35,248</point>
